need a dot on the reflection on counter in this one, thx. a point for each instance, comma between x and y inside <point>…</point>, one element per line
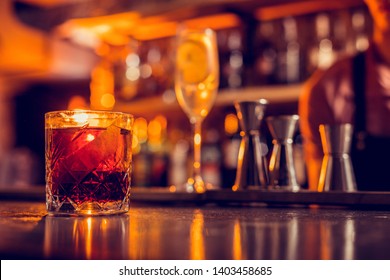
<point>192,233</point>
<point>86,237</point>
<point>211,233</point>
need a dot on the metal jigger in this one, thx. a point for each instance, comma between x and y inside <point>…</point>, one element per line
<point>336,170</point>
<point>251,167</point>
<point>281,167</point>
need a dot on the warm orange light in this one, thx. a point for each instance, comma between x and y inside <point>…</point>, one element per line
<point>204,94</point>
<point>159,27</point>
<point>216,22</point>
<point>197,138</point>
<point>300,8</point>
<point>90,137</point>
<point>190,181</point>
<point>102,83</point>
<point>80,117</point>
<point>135,146</point>
<point>141,129</point>
<point>77,102</point>
<point>162,120</point>
<point>231,124</point>
<point>204,112</point>
<point>154,129</point>
<point>107,100</point>
<point>155,31</point>
<point>88,238</point>
<point>197,246</point>
<point>237,247</point>
<point>112,29</point>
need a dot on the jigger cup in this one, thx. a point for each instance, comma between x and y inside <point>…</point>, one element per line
<point>336,171</point>
<point>281,166</point>
<point>251,167</point>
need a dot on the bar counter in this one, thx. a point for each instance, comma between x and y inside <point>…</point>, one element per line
<point>156,230</point>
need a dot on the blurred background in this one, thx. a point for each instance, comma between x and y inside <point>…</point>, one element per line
<point>117,55</point>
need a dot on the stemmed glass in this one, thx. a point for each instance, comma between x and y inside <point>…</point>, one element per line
<point>196,85</point>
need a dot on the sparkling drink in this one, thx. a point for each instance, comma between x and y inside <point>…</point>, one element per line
<point>88,162</point>
<point>196,86</point>
<point>197,72</point>
<point>197,100</point>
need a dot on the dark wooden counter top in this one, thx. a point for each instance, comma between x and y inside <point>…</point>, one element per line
<point>195,232</point>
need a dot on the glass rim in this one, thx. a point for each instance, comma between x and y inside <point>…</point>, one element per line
<point>87,111</point>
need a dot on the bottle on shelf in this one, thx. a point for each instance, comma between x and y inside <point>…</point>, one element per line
<point>159,148</point>
<point>361,28</point>
<point>289,53</point>
<point>231,58</point>
<point>321,49</point>
<point>142,157</point>
<point>211,159</point>
<point>266,54</point>
<point>179,156</point>
<point>230,147</point>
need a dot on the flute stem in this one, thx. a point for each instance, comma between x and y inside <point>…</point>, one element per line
<point>197,142</point>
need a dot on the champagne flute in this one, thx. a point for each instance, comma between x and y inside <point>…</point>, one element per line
<point>196,86</point>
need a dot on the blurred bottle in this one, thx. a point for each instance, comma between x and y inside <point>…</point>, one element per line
<point>151,149</point>
<point>142,167</point>
<point>179,157</point>
<point>230,147</point>
<point>142,70</point>
<point>115,75</point>
<point>321,49</point>
<point>343,35</point>
<point>126,71</point>
<point>231,58</point>
<point>142,157</point>
<point>211,158</point>
<point>155,64</point>
<point>159,149</point>
<point>266,54</point>
<point>289,53</point>
<point>361,28</point>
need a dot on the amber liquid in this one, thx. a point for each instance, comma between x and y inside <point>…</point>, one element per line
<point>197,99</point>
<point>87,165</point>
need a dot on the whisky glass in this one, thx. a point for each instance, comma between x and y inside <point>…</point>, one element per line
<point>196,86</point>
<point>88,162</point>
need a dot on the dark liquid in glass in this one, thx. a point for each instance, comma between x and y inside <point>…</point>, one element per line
<point>87,168</point>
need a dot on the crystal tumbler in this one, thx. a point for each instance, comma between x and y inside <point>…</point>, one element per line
<point>88,162</point>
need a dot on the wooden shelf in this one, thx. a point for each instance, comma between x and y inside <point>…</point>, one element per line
<point>276,95</point>
<point>148,20</point>
<point>154,11</point>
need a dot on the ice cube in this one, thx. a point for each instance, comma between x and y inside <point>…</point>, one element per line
<point>90,155</point>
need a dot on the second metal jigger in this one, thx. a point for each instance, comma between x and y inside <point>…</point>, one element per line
<point>336,171</point>
<point>281,168</point>
<point>251,167</point>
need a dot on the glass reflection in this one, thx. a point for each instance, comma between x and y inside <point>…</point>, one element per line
<point>205,233</point>
<point>197,236</point>
<point>270,239</point>
<point>86,237</point>
<point>337,240</point>
<point>237,244</point>
<point>145,238</point>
